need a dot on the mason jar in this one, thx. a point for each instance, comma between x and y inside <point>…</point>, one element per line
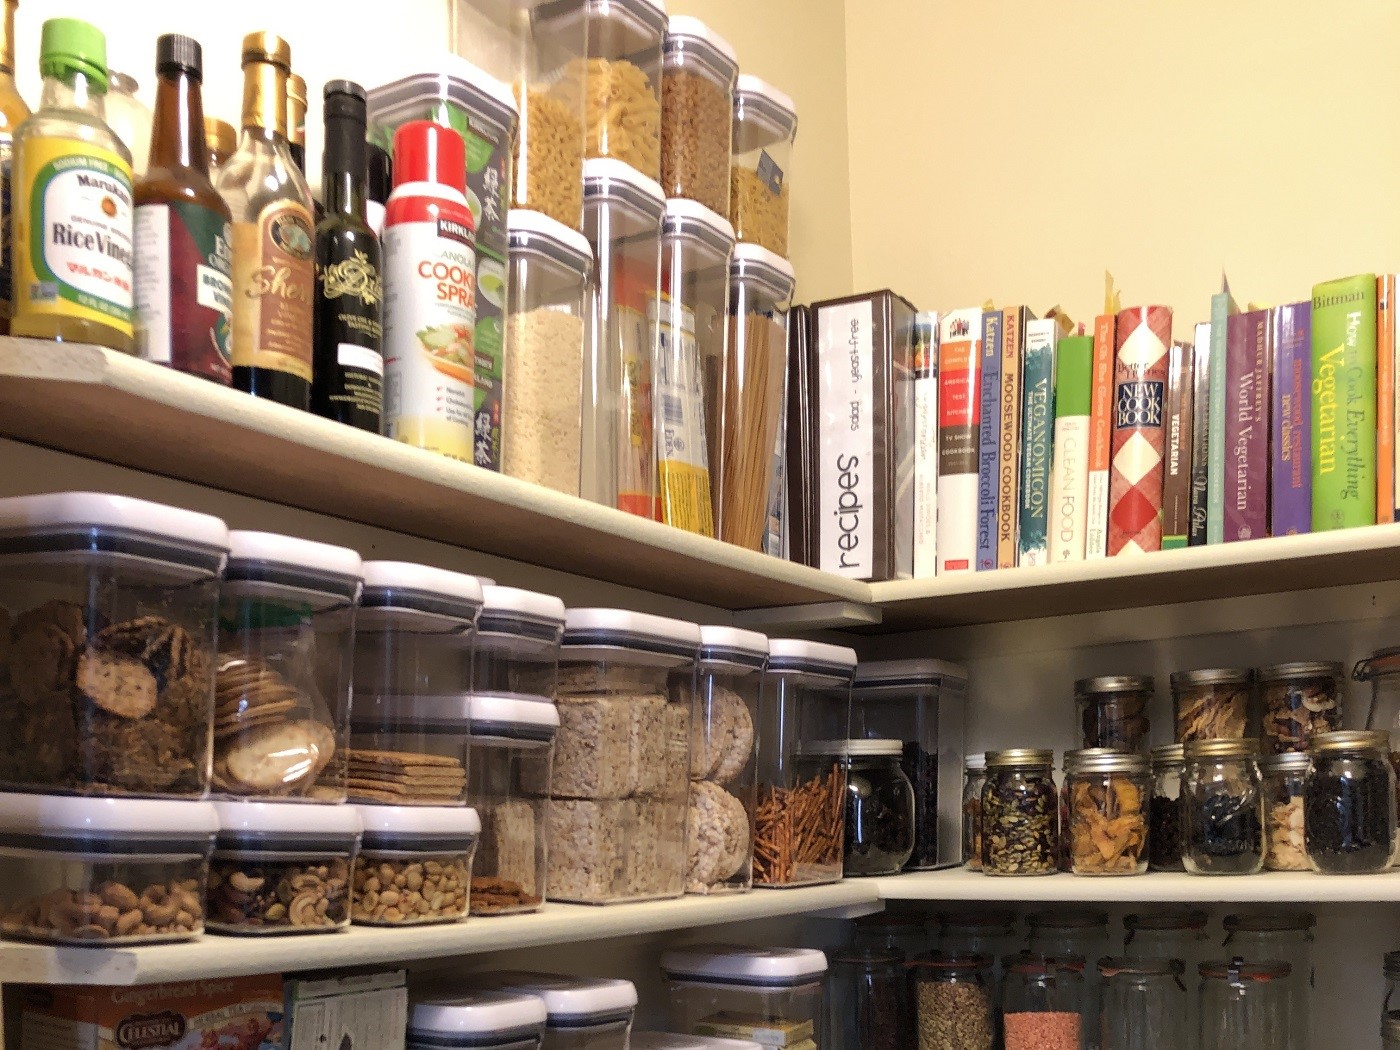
<point>1168,933</point>
<point>1072,760</point>
<point>1286,936</point>
<point>1382,670</point>
<point>879,807</point>
<point>954,1003</point>
<point>867,999</point>
<point>1044,1002</point>
<point>1211,703</point>
<point>1244,1005</point>
<point>1297,701</point>
<point>974,777</point>
<point>1144,1004</point>
<point>1283,777</point>
<point>1020,818</point>
<point>1349,803</point>
<point>1164,833</point>
<point>990,931</point>
<point>1108,797</point>
<point>1223,808</point>
<point>1112,710</point>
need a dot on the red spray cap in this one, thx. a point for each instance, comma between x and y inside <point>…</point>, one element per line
<point>428,152</point>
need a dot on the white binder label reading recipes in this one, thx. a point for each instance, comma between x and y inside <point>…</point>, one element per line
<point>846,481</point>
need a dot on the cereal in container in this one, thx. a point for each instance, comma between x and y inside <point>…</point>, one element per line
<point>414,866</point>
<point>697,108</point>
<point>765,127</point>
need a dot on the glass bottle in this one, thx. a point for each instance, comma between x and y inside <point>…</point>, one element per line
<point>1144,1004</point>
<point>1223,808</point>
<point>974,777</point>
<point>1043,1002</point>
<point>1164,831</point>
<point>94,304</point>
<point>296,120</point>
<point>867,999</point>
<point>1244,1006</point>
<point>1349,803</point>
<point>274,276</point>
<point>379,183</point>
<point>128,116</point>
<point>183,229</point>
<point>954,1002</point>
<point>222,140</point>
<point>13,112</point>
<point>347,382</point>
<point>1286,936</point>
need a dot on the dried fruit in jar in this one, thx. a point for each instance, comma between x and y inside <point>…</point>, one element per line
<point>1108,826</point>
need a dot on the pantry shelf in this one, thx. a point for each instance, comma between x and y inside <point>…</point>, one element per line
<point>111,407</point>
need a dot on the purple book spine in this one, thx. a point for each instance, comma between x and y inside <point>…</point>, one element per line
<point>1247,358</point>
<point>1291,429</point>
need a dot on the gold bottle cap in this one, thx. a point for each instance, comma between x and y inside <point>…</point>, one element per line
<point>267,47</point>
<point>220,136</point>
<point>296,88</point>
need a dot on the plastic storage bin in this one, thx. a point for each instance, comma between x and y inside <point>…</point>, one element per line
<point>107,611</point>
<point>1283,776</point>
<point>722,787</point>
<point>411,751</point>
<point>867,1001</point>
<point>581,1013</point>
<point>1112,711</point>
<point>745,392</point>
<point>1222,806</point>
<point>920,702</point>
<point>483,1020</point>
<point>622,212</point>
<point>697,109</point>
<point>765,127</point>
<point>282,678</point>
<point>1349,803</point>
<point>550,266</point>
<point>512,745</point>
<point>1298,701</point>
<point>799,824</point>
<point>106,871</point>
<point>279,867</point>
<point>728,990</point>
<point>1212,703</point>
<point>414,866</point>
<point>689,317</point>
<point>619,789</point>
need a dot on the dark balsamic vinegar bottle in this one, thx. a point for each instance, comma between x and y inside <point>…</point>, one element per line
<point>348,366</point>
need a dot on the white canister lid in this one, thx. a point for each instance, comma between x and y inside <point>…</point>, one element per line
<point>512,602</point>
<point>512,717</point>
<point>406,584</point>
<point>753,262</point>
<point>480,1013</point>
<point>287,821</point>
<point>683,27</point>
<point>676,1041</point>
<point>606,178</point>
<point>125,825</point>
<point>629,637</point>
<point>749,89</point>
<point>800,656</point>
<point>732,649</point>
<point>288,561</point>
<point>418,829</point>
<point>537,231</point>
<point>573,1001</point>
<point>685,217</point>
<point>645,18</point>
<point>445,76</point>
<point>915,672</point>
<point>733,964</point>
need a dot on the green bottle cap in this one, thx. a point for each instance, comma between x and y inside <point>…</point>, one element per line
<point>69,46</point>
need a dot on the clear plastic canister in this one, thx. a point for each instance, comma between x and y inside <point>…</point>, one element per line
<point>517,643</point>
<point>745,392</point>
<point>622,212</point>
<point>479,1019</point>
<point>690,322</point>
<point>550,264</point>
<point>414,866</point>
<point>697,108</point>
<point>765,127</point>
<point>776,993</point>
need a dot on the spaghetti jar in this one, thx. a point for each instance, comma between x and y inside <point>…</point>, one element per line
<point>765,127</point>
<point>622,211</point>
<point>689,319</point>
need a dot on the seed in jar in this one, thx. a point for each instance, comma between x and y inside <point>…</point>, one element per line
<point>953,1016</point>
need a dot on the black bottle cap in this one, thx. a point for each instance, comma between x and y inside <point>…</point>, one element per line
<point>379,173</point>
<point>181,54</point>
<point>344,93</point>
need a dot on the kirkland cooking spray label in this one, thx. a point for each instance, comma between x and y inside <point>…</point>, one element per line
<point>79,262</point>
<point>429,330</point>
<point>274,278</point>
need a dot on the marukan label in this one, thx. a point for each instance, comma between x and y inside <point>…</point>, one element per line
<point>274,278</point>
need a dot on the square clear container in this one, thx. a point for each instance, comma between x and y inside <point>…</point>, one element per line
<point>619,789</point>
<point>736,992</point>
<point>483,1020</point>
<point>689,317</point>
<point>765,127</point>
<point>745,393</point>
<point>697,111</point>
<point>581,1013</point>
<point>411,751</point>
<point>282,677</point>
<point>103,871</point>
<point>799,819</point>
<point>282,868</point>
<point>922,703</point>
<point>108,610</point>
<point>517,643</point>
<point>542,416</point>
<point>674,1041</point>
<point>622,211</point>
<point>512,745</point>
<point>722,785</point>
<point>414,867</point>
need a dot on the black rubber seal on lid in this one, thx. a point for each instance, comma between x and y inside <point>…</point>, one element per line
<point>725,654</point>
<point>509,1037</point>
<point>623,640</point>
<point>420,601</point>
<point>807,665</point>
<point>96,539</point>
<point>795,981</point>
<point>517,625</point>
<point>589,1020</point>
<point>346,587</point>
<point>284,842</point>
<point>526,731</point>
<point>417,841</point>
<point>107,845</point>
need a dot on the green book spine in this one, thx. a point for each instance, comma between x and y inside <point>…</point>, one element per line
<point>1344,403</point>
<point>1222,305</point>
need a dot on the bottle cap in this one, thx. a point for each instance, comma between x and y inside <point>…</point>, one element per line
<point>180,54</point>
<point>70,45</point>
<point>220,136</point>
<point>267,47</point>
<point>296,87</point>
<point>344,98</point>
<point>428,152</point>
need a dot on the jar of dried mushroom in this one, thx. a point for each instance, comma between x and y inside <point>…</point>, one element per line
<point>1108,814</point>
<point>867,1001</point>
<point>765,127</point>
<point>1164,832</point>
<point>581,1013</point>
<point>103,871</point>
<point>1297,701</point>
<point>1349,803</point>
<point>1223,808</point>
<point>954,1002</point>
<point>108,611</point>
<point>1020,813</point>
<point>722,785</point>
<point>1212,703</point>
<point>282,676</point>
<point>777,993</point>
<point>879,804</point>
<point>1245,1006</point>
<point>1283,776</point>
<point>697,106</point>
<point>478,1019</point>
<point>281,868</point>
<point>1043,1002</point>
<point>1112,711</point>
<point>974,777</point>
<point>541,416</point>
<point>1286,936</point>
<point>1144,1004</point>
<point>414,866</point>
<point>550,143</point>
<point>799,823</point>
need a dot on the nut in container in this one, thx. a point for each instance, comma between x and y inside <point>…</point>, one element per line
<point>415,865</point>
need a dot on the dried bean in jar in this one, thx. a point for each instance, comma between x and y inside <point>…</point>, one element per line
<point>953,1016</point>
<point>1348,821</point>
<point>1164,834</point>
<point>1020,815</point>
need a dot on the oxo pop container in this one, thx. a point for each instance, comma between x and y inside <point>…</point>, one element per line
<point>478,1019</point>
<point>619,786</point>
<point>689,318</point>
<point>697,109</point>
<point>673,1041</point>
<point>622,212</point>
<point>765,127</point>
<point>282,678</point>
<point>804,716</point>
<point>722,788</point>
<point>581,1013</point>
<point>745,391</point>
<point>108,608</point>
<point>920,703</point>
<point>414,866</point>
<point>540,428</point>
<point>725,990</point>
<point>103,871</point>
<point>517,644</point>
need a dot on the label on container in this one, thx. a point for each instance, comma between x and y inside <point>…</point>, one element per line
<point>429,330</point>
<point>682,461</point>
<point>73,253</point>
<point>274,279</point>
<point>184,288</point>
<point>769,173</point>
<point>846,446</point>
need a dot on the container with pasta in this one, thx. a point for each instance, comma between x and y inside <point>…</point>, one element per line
<point>697,107</point>
<point>765,126</point>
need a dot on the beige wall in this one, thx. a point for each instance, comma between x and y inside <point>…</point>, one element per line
<point>1014,150</point>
